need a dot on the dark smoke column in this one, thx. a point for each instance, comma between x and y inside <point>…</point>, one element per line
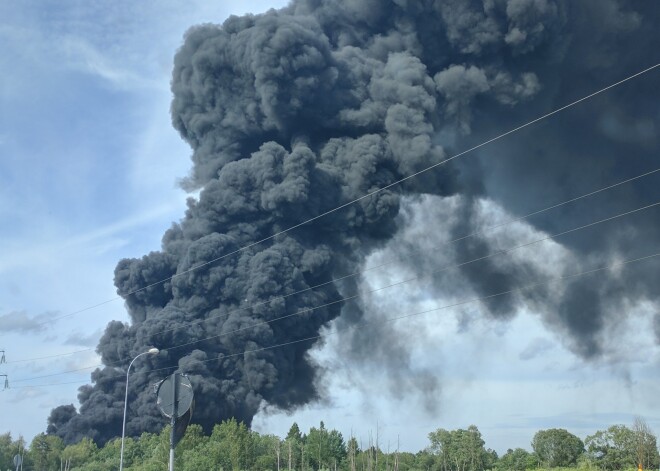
<point>285,124</point>
<point>297,111</point>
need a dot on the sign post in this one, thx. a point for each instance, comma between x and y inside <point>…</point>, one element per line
<point>175,407</point>
<point>175,400</point>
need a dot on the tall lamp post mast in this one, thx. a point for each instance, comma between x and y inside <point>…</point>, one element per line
<point>151,351</point>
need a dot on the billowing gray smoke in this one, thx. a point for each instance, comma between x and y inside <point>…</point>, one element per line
<point>298,111</point>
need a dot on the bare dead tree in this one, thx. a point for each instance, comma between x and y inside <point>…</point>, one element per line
<point>396,456</point>
<point>352,451</point>
<point>289,442</point>
<point>387,457</point>
<point>277,452</point>
<point>645,443</point>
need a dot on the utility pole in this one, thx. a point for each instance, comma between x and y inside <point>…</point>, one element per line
<point>18,459</point>
<point>2,360</point>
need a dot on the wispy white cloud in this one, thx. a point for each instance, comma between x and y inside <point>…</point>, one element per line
<point>22,322</point>
<point>82,56</point>
<point>37,252</point>
<point>84,339</point>
<point>535,347</point>
<point>27,394</point>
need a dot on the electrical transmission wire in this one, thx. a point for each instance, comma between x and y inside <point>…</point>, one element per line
<point>372,193</point>
<point>366,322</point>
<point>376,267</point>
<point>398,283</point>
<point>23,360</point>
<point>30,386</point>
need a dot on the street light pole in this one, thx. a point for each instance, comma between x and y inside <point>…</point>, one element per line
<point>151,351</point>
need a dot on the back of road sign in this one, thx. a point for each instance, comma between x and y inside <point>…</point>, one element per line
<point>184,396</point>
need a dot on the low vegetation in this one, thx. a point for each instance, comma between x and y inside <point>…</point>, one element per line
<point>232,446</point>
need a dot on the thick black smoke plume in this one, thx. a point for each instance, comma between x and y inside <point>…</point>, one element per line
<point>295,112</point>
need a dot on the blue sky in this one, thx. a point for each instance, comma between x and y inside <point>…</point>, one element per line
<point>89,165</point>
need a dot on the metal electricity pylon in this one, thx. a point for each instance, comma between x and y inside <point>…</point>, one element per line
<point>2,360</point>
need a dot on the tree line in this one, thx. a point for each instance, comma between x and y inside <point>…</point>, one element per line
<point>233,446</point>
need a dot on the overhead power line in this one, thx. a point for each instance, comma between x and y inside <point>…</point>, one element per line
<point>51,384</point>
<point>376,267</point>
<point>367,322</point>
<point>398,283</point>
<point>45,357</point>
<point>372,193</point>
<point>391,261</point>
<point>408,280</point>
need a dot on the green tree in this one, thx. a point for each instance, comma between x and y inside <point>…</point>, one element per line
<point>337,448</point>
<point>612,448</point>
<point>107,457</point>
<point>425,460</point>
<point>490,459</point>
<point>231,444</point>
<point>314,442</point>
<point>192,451</point>
<point>352,450</point>
<point>78,454</point>
<point>557,447</point>
<point>152,451</point>
<point>294,433</point>
<point>516,460</point>
<point>6,449</point>
<point>459,450</point>
<point>45,452</point>
<point>324,448</point>
<point>202,457</point>
<point>267,451</point>
<point>404,461</point>
<point>291,448</point>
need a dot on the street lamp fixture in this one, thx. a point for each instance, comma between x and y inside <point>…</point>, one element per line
<point>151,351</point>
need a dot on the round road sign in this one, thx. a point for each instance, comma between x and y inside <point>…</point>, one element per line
<point>184,395</point>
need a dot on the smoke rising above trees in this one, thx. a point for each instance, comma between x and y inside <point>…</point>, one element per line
<point>295,112</point>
